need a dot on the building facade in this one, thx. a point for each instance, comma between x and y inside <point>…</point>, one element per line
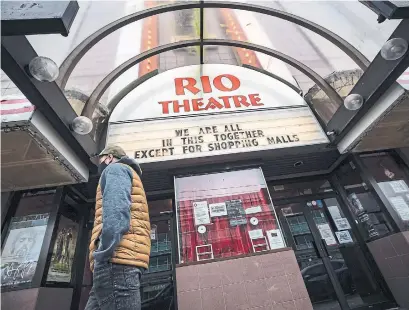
<point>266,190</point>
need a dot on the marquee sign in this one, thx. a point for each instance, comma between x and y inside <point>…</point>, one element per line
<point>209,110</point>
<point>222,134</point>
<point>211,88</point>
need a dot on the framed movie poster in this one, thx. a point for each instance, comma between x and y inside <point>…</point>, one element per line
<point>22,248</point>
<point>63,252</point>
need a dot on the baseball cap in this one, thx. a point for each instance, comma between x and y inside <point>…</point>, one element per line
<point>113,150</point>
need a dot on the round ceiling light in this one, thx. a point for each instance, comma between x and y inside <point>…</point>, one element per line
<point>353,102</point>
<point>81,125</point>
<point>43,69</point>
<point>394,49</point>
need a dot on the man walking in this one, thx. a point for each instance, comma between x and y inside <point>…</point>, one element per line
<point>120,242</point>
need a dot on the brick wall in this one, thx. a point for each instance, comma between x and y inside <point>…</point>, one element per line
<point>268,281</point>
<point>392,256</point>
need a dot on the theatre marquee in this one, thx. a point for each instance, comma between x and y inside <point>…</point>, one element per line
<point>195,111</point>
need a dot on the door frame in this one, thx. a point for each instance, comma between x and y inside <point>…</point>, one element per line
<point>318,242</point>
<point>170,217</point>
<point>320,246</point>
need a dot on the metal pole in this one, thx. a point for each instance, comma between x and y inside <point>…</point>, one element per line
<point>201,31</point>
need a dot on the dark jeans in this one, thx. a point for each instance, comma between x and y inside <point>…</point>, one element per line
<point>115,287</point>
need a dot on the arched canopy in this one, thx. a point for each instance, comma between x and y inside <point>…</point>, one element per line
<point>118,71</point>
<point>75,56</point>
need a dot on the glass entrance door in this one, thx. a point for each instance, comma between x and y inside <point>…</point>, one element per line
<point>332,263</point>
<point>157,283</point>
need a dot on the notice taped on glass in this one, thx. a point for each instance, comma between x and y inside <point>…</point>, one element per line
<point>236,212</point>
<point>201,213</point>
<point>401,207</point>
<point>217,209</point>
<point>342,223</point>
<point>256,234</point>
<point>275,239</point>
<point>326,234</point>
<point>399,186</point>
<point>344,236</point>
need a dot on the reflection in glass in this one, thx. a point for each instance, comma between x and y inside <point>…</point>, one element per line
<point>225,215</point>
<point>313,271</point>
<point>363,205</point>
<point>290,190</point>
<point>161,247</point>
<point>339,249</point>
<point>393,182</point>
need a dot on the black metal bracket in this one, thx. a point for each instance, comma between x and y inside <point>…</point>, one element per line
<point>201,32</point>
<point>16,54</point>
<point>42,17</point>
<point>386,9</point>
<point>377,78</point>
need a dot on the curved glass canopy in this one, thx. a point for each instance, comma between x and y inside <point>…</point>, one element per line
<point>320,49</point>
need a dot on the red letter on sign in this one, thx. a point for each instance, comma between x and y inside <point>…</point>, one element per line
<point>235,82</point>
<point>197,103</point>
<point>255,100</point>
<point>207,88</point>
<point>240,100</point>
<point>165,106</point>
<point>190,86</point>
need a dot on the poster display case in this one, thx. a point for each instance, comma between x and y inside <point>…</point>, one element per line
<point>22,248</point>
<point>225,214</point>
<point>62,259</point>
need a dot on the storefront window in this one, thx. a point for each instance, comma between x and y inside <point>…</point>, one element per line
<point>25,235</point>
<point>289,190</point>
<point>393,183</point>
<point>363,205</point>
<point>224,215</point>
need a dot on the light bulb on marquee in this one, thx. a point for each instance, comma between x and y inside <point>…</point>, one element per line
<point>43,69</point>
<point>82,125</point>
<point>353,102</point>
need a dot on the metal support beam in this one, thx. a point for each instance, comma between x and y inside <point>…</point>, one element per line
<point>201,31</point>
<point>42,17</point>
<point>375,81</point>
<point>16,53</point>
